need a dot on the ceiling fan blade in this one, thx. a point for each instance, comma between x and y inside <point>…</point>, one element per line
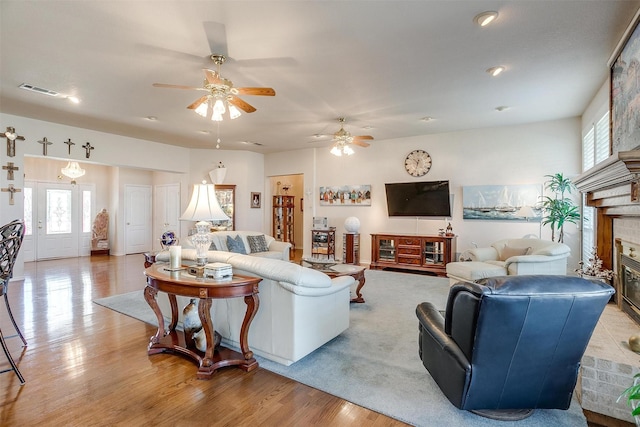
<point>197,103</point>
<point>234,100</point>
<point>176,86</point>
<point>261,91</point>
<point>363,137</point>
<point>217,37</point>
<point>212,76</point>
<point>359,143</point>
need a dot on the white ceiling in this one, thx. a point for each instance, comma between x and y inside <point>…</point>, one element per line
<point>383,65</point>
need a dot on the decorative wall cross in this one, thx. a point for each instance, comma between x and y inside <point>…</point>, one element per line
<point>12,137</point>
<point>44,143</point>
<point>10,168</point>
<point>69,144</point>
<point>87,148</point>
<point>11,190</point>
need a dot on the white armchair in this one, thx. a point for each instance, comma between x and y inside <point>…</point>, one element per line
<point>511,257</point>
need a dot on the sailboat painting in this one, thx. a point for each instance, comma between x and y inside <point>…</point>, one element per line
<point>502,202</point>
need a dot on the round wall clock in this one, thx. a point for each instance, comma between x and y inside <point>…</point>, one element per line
<point>417,163</point>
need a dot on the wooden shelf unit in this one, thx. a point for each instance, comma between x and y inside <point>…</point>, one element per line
<point>351,248</point>
<point>323,242</point>
<point>412,252</point>
<point>283,218</point>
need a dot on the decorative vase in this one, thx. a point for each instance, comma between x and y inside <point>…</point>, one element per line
<point>352,225</point>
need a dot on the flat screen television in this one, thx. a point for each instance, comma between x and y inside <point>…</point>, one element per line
<point>417,199</point>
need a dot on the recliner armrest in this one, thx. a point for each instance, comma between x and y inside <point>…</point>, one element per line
<point>433,323</point>
<point>442,357</point>
<point>533,258</point>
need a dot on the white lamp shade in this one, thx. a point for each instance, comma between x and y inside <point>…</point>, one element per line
<point>204,205</point>
<point>526,212</point>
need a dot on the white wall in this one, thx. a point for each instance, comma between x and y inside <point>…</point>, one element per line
<point>245,169</point>
<point>496,156</point>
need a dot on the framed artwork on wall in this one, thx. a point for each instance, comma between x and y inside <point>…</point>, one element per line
<point>625,91</point>
<point>256,200</point>
<point>345,195</point>
<point>502,202</point>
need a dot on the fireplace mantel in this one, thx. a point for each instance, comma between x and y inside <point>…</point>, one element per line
<point>608,187</point>
<point>619,169</point>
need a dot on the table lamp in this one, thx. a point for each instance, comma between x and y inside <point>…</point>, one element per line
<point>203,207</point>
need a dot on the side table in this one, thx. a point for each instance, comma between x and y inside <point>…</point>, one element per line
<point>171,340</point>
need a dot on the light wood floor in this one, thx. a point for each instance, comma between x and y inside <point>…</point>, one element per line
<point>87,365</point>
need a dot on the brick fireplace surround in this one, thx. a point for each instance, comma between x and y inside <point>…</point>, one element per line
<point>608,365</point>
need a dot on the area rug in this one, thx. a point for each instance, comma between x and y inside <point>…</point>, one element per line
<point>375,363</point>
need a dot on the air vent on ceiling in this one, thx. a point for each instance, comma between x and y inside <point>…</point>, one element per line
<point>37,89</point>
<point>252,143</point>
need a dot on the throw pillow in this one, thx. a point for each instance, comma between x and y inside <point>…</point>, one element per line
<point>212,246</point>
<point>257,243</point>
<point>236,245</point>
<point>508,252</point>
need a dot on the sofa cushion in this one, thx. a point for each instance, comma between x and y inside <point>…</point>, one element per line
<point>236,245</point>
<point>509,251</point>
<point>257,243</point>
<point>212,246</point>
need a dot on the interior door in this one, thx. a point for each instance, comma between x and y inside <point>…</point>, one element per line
<point>137,208</point>
<point>57,226</point>
<point>166,210</point>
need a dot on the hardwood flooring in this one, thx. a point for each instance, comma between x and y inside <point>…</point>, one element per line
<point>86,365</point>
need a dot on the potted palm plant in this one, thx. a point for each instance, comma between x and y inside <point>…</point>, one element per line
<point>559,209</point>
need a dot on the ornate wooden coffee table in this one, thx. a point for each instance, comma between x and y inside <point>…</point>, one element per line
<point>333,269</point>
<point>172,340</point>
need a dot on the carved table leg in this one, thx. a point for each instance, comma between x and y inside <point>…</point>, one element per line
<point>204,311</point>
<point>253,303</point>
<point>360,278</point>
<point>174,312</point>
<point>150,296</point>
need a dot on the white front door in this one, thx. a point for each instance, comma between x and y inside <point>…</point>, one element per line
<point>57,225</point>
<point>137,200</point>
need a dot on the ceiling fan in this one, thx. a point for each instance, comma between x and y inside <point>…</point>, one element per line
<point>342,139</point>
<point>222,95</point>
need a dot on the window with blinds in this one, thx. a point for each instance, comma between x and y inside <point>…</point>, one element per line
<point>595,148</point>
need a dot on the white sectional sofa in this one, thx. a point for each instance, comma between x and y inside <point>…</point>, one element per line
<point>510,257</point>
<point>300,310</point>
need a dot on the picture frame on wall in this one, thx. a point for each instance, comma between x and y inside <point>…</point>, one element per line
<point>345,195</point>
<point>256,200</point>
<point>624,114</point>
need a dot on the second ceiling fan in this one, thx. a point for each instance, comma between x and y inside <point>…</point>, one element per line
<point>221,94</point>
<point>343,139</point>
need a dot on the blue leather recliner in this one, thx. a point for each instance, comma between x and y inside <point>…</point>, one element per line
<point>511,342</point>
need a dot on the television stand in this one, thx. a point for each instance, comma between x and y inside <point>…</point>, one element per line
<point>414,252</point>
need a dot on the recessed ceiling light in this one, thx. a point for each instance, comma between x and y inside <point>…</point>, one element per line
<point>426,119</point>
<point>206,132</point>
<point>485,18</point>
<point>367,127</point>
<point>502,108</point>
<point>495,71</point>
<point>152,118</point>
<point>73,99</point>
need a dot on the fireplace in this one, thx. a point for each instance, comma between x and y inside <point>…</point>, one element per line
<point>629,286</point>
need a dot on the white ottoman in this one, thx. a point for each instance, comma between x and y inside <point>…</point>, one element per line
<point>472,271</point>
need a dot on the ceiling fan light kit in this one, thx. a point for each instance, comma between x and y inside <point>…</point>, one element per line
<point>222,96</point>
